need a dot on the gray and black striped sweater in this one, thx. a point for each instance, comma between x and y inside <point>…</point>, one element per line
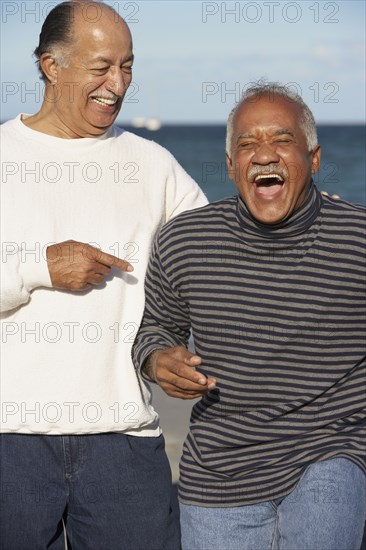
<point>278,317</point>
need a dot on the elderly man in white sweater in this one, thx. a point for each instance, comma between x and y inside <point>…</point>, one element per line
<point>80,440</point>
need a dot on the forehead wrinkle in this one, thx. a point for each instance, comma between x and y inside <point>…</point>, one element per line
<point>106,59</point>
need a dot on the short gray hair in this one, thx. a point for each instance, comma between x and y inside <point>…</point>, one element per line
<point>261,88</point>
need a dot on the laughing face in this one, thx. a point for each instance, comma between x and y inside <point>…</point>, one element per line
<point>88,93</point>
<point>270,163</point>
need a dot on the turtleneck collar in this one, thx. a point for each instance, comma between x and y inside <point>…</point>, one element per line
<point>290,229</point>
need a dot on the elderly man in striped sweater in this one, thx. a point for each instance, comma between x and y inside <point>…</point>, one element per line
<point>271,282</point>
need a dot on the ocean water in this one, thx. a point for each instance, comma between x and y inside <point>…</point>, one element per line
<point>201,151</point>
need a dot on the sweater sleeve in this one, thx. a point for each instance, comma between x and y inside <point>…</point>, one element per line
<point>21,272</point>
<point>166,321</point>
<point>182,192</point>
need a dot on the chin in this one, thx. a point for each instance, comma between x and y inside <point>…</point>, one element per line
<point>102,120</point>
<point>101,127</point>
<point>268,216</point>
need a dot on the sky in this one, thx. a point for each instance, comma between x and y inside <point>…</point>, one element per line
<point>194,58</point>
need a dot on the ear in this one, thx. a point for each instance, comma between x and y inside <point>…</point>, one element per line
<point>229,164</point>
<point>49,67</point>
<point>315,161</point>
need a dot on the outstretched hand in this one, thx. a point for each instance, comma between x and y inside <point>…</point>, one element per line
<point>78,266</point>
<point>174,369</point>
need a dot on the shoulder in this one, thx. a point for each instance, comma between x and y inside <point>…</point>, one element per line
<point>186,237</point>
<point>343,210</point>
<point>343,222</point>
<point>199,221</point>
<point>214,210</point>
<point>9,126</point>
<point>142,145</point>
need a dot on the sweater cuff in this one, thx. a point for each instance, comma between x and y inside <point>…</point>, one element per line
<point>145,345</point>
<point>34,272</point>
<point>141,353</point>
<point>143,370</point>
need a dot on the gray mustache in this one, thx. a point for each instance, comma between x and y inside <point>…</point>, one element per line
<point>268,169</point>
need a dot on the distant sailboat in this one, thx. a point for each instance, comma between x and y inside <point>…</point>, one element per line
<point>138,122</point>
<point>151,124</point>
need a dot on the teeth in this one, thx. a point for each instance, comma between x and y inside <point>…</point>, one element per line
<point>266,176</point>
<point>104,101</point>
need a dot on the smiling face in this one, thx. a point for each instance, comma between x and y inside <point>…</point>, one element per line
<point>270,162</point>
<point>86,96</point>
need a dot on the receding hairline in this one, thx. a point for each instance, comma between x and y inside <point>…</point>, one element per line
<point>80,7</point>
<point>81,4</point>
<point>61,29</point>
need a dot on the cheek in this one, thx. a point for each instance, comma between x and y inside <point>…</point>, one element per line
<point>90,86</point>
<point>240,168</point>
<point>298,167</point>
<point>128,79</point>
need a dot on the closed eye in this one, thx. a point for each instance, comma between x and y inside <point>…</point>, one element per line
<point>246,144</point>
<point>284,140</point>
<point>101,69</point>
<point>127,68</point>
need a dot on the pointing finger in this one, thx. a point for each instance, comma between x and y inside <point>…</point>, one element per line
<point>112,261</point>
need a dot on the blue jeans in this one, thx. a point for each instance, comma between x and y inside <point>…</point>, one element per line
<point>326,511</point>
<point>112,491</point>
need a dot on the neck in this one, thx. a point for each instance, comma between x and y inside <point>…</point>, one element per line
<point>49,125</point>
<point>48,121</point>
<point>291,228</point>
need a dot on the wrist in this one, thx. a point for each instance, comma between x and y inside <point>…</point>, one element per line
<point>150,364</point>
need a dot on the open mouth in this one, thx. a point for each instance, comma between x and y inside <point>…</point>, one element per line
<point>268,186</point>
<point>268,179</point>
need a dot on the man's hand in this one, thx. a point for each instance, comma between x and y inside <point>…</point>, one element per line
<point>174,369</point>
<point>78,266</point>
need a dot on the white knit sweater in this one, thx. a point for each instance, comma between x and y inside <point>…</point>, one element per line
<point>66,356</point>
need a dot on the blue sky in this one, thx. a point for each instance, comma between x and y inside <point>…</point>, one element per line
<point>194,58</point>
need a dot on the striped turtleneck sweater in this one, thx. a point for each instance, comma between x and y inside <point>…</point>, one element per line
<point>278,317</point>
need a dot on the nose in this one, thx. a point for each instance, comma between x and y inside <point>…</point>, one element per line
<point>265,153</point>
<point>117,81</point>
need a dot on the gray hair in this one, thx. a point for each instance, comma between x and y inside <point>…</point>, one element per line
<point>261,88</point>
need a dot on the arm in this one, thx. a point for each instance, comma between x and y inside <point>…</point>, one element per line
<point>160,348</point>
<point>20,274</point>
<point>69,265</point>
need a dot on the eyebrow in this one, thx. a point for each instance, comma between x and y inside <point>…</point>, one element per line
<point>282,131</point>
<point>279,132</point>
<point>241,136</point>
